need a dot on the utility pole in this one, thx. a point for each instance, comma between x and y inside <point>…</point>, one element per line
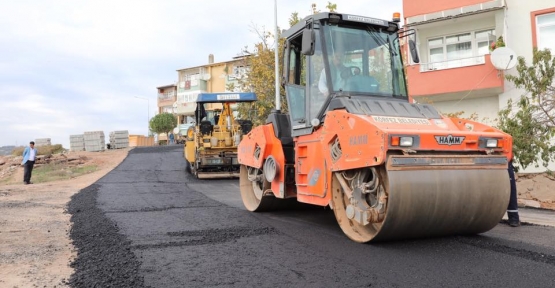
<point>278,104</point>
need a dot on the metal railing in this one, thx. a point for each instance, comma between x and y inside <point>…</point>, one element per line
<point>455,63</point>
<point>166,95</point>
<point>455,12</point>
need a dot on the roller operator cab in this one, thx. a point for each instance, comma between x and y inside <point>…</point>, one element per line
<point>211,145</point>
<point>388,168</point>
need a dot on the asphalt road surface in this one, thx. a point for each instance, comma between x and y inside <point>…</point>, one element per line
<point>148,223</point>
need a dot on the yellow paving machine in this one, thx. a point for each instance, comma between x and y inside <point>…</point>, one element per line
<point>211,145</point>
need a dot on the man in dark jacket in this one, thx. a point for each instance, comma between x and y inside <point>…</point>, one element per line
<point>512,210</point>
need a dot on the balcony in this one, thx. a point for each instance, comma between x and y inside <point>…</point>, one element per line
<point>424,11</point>
<point>194,84</point>
<point>166,96</point>
<point>449,64</point>
<point>450,80</point>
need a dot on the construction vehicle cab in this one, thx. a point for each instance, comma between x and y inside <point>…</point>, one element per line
<point>352,140</point>
<point>211,145</point>
<point>180,131</point>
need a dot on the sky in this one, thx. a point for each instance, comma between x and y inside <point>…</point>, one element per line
<point>70,66</point>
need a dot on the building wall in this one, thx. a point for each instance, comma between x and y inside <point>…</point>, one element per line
<point>519,37</point>
<point>418,7</point>
<point>515,22</point>
<point>166,102</point>
<point>470,105</point>
<point>217,78</point>
<point>236,70</point>
<point>484,108</point>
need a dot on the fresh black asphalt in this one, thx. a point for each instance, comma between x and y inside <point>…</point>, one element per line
<point>150,224</point>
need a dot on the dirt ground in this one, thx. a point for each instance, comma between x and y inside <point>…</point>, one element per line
<point>35,249</point>
<point>536,190</point>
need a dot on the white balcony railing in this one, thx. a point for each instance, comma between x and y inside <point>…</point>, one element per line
<point>166,95</point>
<point>455,63</point>
<point>456,12</point>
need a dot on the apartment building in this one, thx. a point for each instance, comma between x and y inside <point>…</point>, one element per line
<point>179,98</point>
<point>453,38</point>
<point>209,78</point>
<point>167,95</point>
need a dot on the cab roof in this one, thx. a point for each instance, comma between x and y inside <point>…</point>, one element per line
<point>342,18</point>
<point>226,97</point>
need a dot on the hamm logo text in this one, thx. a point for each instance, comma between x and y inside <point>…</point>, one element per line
<point>449,140</point>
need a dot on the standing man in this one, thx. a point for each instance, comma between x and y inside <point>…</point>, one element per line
<point>171,138</point>
<point>29,156</point>
<point>512,209</point>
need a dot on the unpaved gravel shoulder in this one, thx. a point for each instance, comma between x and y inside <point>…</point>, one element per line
<point>35,248</point>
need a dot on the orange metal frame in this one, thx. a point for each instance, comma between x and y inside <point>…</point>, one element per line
<point>364,142</point>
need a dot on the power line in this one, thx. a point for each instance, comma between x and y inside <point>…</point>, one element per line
<point>474,87</point>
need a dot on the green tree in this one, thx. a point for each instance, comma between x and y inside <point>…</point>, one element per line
<point>260,78</point>
<point>294,19</point>
<point>332,7</point>
<point>162,123</point>
<point>532,121</point>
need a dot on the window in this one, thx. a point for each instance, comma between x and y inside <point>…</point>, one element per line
<point>362,61</point>
<point>458,50</point>
<point>546,31</point>
<point>484,39</point>
<point>436,50</point>
<point>459,46</point>
<point>296,95</point>
<point>167,109</point>
<point>166,94</point>
<point>295,88</point>
<point>238,72</point>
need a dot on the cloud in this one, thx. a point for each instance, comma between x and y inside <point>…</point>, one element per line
<point>70,66</point>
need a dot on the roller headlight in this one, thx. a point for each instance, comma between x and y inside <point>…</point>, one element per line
<point>405,141</point>
<point>491,143</point>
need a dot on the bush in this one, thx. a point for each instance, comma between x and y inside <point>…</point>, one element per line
<point>18,151</point>
<point>41,150</point>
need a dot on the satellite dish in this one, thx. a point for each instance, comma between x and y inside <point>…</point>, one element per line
<point>175,104</point>
<point>176,130</point>
<point>503,58</point>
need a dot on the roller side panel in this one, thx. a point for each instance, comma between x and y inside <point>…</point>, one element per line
<point>312,173</point>
<point>254,150</point>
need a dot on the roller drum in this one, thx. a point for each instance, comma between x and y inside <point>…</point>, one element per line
<point>425,203</point>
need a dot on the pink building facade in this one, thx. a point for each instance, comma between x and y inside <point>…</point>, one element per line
<point>454,40</point>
